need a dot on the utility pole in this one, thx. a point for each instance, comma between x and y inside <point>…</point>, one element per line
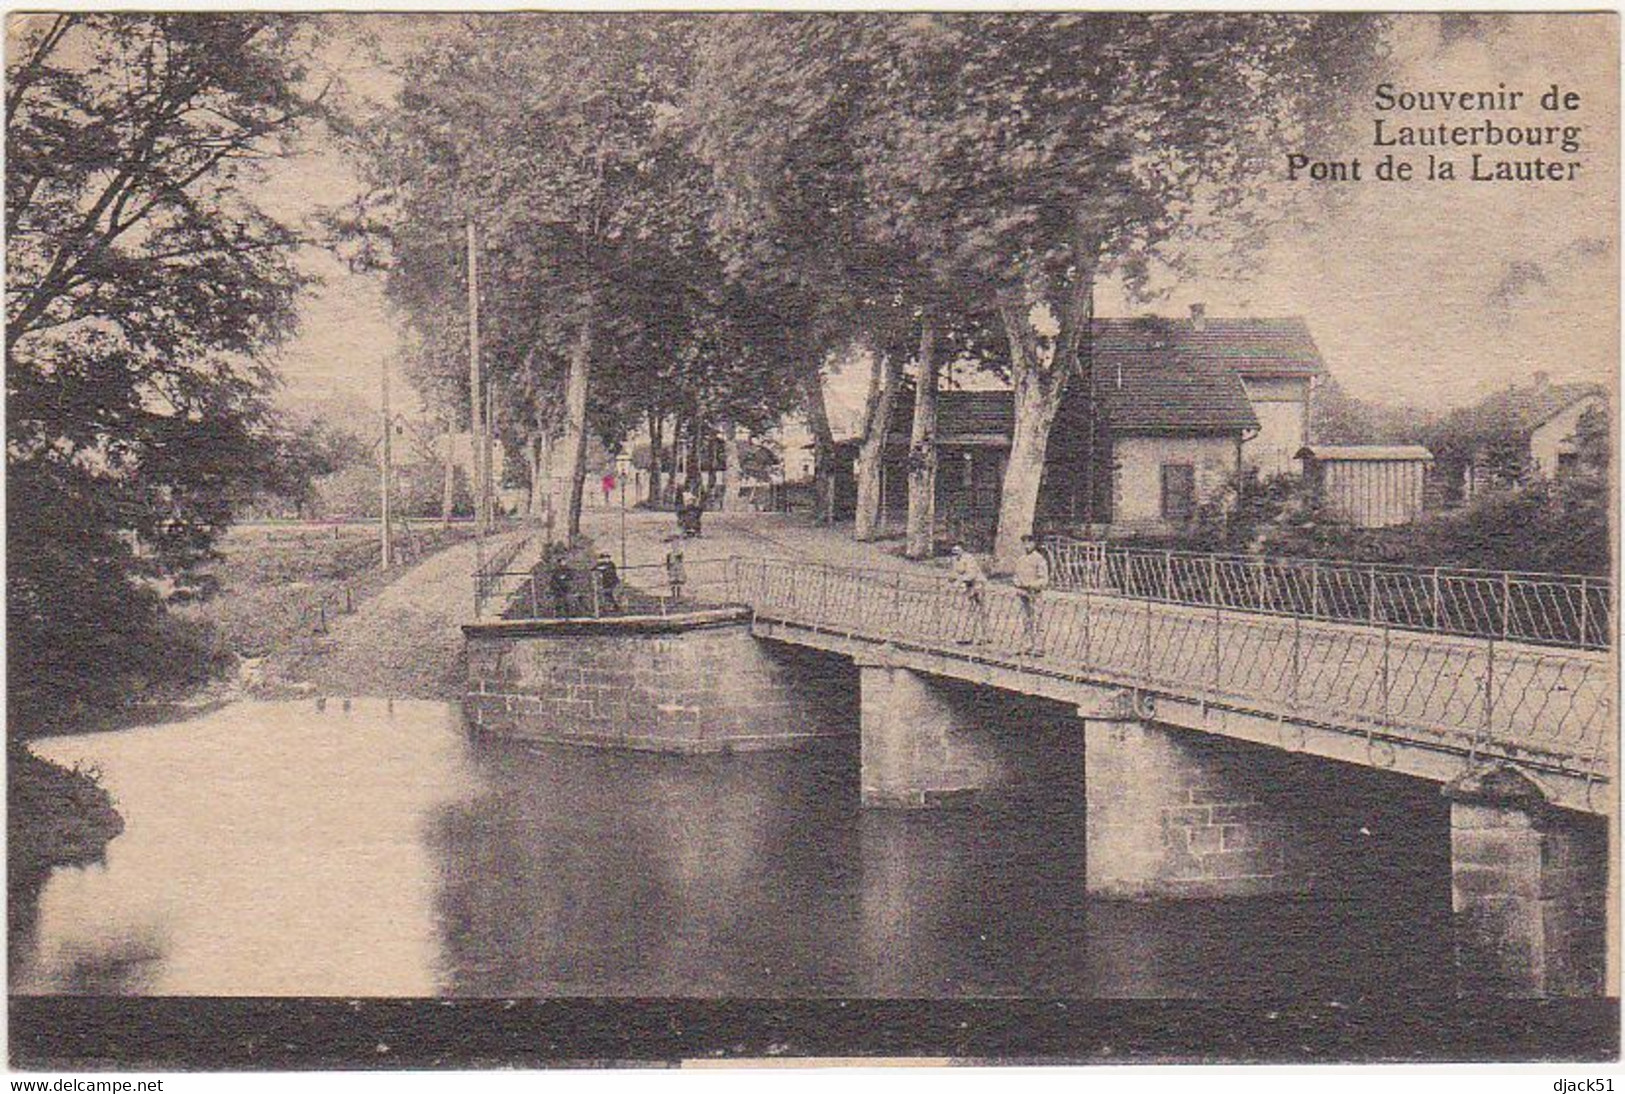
<point>490,453</point>
<point>476,401</point>
<point>387,547</point>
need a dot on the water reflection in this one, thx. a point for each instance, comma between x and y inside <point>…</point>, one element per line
<point>274,849</point>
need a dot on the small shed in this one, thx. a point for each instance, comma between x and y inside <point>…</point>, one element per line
<point>1369,486</point>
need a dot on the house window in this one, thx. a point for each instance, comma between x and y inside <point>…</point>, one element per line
<point>1178,491</point>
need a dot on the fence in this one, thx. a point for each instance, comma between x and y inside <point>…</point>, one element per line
<point>1470,695</point>
<point>1549,609</point>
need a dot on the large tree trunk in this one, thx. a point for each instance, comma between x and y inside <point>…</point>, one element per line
<point>731,474</point>
<point>823,446</point>
<point>693,475</point>
<point>541,476</point>
<point>657,440</point>
<point>883,379</point>
<point>573,442</point>
<point>922,449</point>
<point>1039,382</point>
<point>448,481</point>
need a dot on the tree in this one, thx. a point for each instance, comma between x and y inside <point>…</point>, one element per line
<point>547,131</point>
<point>1006,163</point>
<point>142,284</point>
<point>1031,157</point>
<point>773,110</point>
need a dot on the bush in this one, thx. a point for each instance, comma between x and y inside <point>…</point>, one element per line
<point>1546,525</point>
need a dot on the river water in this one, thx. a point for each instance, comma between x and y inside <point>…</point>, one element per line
<point>376,849</point>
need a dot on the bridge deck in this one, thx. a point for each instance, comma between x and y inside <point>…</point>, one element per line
<point>1548,709</point>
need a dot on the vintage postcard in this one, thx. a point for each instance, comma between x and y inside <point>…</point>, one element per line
<point>542,538</point>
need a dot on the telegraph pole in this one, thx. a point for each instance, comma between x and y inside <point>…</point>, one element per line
<point>476,401</point>
<point>387,547</point>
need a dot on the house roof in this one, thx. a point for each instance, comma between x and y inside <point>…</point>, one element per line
<point>1346,452</point>
<point>1252,347</point>
<point>1153,375</point>
<point>1161,375</point>
<point>1520,410</point>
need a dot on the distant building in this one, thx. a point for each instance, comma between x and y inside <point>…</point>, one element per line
<point>1183,406</point>
<point>1368,486</point>
<point>1522,432</point>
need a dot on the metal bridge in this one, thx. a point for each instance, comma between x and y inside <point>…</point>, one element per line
<point>1427,704</point>
<point>1426,672</point>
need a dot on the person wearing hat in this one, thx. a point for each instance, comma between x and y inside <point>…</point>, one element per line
<point>972,581</point>
<point>1031,579</point>
<point>607,582</point>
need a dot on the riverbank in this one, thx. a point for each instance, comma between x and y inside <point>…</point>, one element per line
<point>57,816</point>
<point>281,592</point>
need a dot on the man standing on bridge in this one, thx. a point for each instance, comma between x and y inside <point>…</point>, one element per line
<point>1031,578</point>
<point>973,584</point>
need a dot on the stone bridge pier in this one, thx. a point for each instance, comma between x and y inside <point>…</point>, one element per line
<point>1529,889</point>
<point>1174,813</point>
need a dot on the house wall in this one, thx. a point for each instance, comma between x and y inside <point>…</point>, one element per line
<point>1282,406</point>
<point>1137,476</point>
<point>1556,436</point>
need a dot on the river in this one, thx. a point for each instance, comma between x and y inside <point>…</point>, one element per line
<point>376,849</point>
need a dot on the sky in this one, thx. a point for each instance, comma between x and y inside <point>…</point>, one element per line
<point>1430,294</point>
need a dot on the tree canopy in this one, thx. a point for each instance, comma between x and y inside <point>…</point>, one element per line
<point>142,284</point>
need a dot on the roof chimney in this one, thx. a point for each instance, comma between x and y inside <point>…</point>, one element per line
<point>1199,316</point>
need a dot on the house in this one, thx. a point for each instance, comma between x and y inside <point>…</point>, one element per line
<point>1179,402</point>
<point>1368,486</point>
<point>1522,432</point>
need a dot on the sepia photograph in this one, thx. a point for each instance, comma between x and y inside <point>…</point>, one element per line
<point>565,538</point>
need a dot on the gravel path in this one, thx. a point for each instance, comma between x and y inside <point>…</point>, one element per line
<point>403,643</point>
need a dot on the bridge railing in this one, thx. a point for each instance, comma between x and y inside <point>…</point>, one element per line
<point>1548,609</point>
<point>1476,696</point>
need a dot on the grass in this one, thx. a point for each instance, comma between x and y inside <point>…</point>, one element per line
<point>278,586</point>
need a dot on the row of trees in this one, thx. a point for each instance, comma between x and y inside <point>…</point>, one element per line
<point>681,219</point>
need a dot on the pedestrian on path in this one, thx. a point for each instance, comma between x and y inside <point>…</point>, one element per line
<point>607,583</point>
<point>676,573</point>
<point>1031,579</point>
<point>972,579</point>
<point>558,584</point>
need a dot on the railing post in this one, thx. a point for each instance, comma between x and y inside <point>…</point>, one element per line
<point>1297,658</point>
<point>1314,590</point>
<point>896,627</point>
<point>1387,685</point>
<point>1585,599</point>
<point>1168,575</point>
<point>1489,701</point>
<point>1218,623</point>
<point>1088,622</point>
<point>1371,597</point>
<point>1438,603</point>
<point>535,612</point>
<point>1146,674</point>
<point>1263,600</point>
<point>1506,604</point>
